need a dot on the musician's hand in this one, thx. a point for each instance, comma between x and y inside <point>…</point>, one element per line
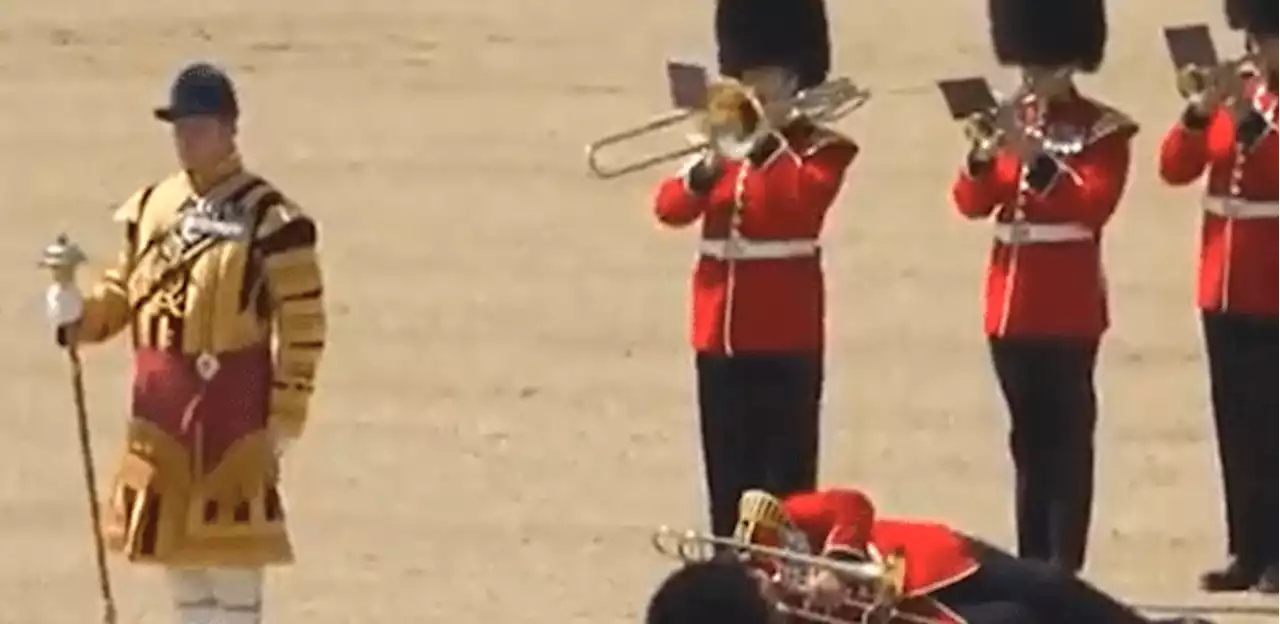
<point>63,304</point>
<point>826,590</point>
<point>1027,147</point>
<point>280,443</point>
<point>981,132</point>
<point>701,172</point>
<point>1205,90</point>
<point>1205,102</point>
<point>768,586</point>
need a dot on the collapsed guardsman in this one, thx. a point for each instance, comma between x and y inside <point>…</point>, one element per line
<point>946,577</point>
<point>219,286</point>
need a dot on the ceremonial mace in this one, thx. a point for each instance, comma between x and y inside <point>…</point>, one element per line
<point>62,258</point>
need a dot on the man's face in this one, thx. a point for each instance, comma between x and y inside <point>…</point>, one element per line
<point>770,83</point>
<point>203,141</point>
<point>1047,82</point>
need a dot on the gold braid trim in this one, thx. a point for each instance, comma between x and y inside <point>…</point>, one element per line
<point>1110,122</point>
<point>295,287</point>
<point>106,307</point>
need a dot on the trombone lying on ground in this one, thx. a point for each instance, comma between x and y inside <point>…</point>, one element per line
<point>824,103</point>
<point>883,579</point>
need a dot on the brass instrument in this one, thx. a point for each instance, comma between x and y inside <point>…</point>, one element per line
<point>1224,79</point>
<point>824,103</point>
<point>884,578</point>
<point>988,130</point>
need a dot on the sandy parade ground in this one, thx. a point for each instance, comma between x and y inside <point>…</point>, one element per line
<point>505,410</point>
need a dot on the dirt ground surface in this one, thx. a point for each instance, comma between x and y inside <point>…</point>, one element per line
<point>505,411</point>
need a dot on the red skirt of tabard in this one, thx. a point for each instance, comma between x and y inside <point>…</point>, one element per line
<point>205,416</point>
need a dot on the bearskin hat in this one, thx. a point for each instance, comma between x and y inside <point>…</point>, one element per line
<point>786,33</point>
<point>1234,14</point>
<point>1049,33</point>
<point>1257,17</point>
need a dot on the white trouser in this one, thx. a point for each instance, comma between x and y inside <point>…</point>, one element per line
<point>217,595</point>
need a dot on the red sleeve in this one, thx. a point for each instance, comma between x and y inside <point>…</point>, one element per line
<point>1184,154</point>
<point>1091,195</point>
<point>840,518</point>
<point>676,205</point>
<point>975,196</point>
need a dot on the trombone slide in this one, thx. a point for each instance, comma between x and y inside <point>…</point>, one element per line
<point>683,545</point>
<point>660,122</point>
<point>824,103</point>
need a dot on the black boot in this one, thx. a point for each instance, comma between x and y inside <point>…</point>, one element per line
<point>1267,582</point>
<point>1237,576</point>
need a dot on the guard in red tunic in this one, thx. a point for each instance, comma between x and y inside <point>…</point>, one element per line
<point>1227,134</point>
<point>758,294</point>
<point>949,577</point>
<point>1047,171</point>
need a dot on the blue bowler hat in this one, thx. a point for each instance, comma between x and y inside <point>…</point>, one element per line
<point>200,89</point>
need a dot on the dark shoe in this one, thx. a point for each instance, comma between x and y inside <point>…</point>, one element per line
<point>1267,583</point>
<point>1233,578</point>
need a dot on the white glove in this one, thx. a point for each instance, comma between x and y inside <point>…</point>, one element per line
<point>63,304</point>
<point>281,443</point>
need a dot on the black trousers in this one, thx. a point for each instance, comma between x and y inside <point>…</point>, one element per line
<point>759,421</point>
<point>1048,386</point>
<point>1243,377</point>
<point>1008,590</point>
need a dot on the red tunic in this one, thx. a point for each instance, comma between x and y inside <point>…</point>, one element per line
<point>842,519</point>
<point>1045,275</point>
<point>758,285</point>
<point>1238,252</point>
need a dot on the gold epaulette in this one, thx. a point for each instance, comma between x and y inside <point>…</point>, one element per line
<point>278,215</point>
<point>823,137</point>
<point>1110,122</point>
<point>286,241</point>
<point>131,209</point>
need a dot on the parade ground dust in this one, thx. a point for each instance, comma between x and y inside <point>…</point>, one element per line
<point>505,411</point>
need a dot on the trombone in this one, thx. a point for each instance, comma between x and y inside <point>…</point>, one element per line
<point>884,577</point>
<point>824,103</point>
<point>1199,80</point>
<point>986,130</point>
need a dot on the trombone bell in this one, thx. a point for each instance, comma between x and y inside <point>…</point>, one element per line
<point>885,579</point>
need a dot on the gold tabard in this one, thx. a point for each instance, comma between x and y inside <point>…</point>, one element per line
<point>206,278</point>
<point>159,511</point>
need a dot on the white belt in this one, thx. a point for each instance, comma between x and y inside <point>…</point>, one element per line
<point>1234,208</point>
<point>746,249</point>
<point>1030,233</point>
